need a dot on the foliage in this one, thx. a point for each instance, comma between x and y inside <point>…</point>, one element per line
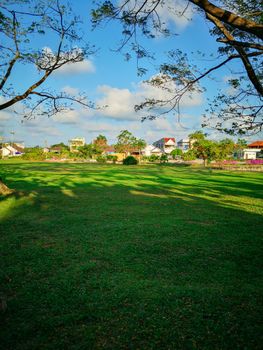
<point>111,158</point>
<point>61,145</point>
<point>33,153</point>
<point>176,153</point>
<point>153,158</point>
<point>189,155</point>
<point>127,143</point>
<point>237,27</point>
<point>100,143</point>
<point>24,25</point>
<point>101,159</point>
<point>130,160</point>
<point>164,158</point>
<point>87,151</point>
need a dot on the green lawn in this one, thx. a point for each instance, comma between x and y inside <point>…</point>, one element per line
<point>140,257</point>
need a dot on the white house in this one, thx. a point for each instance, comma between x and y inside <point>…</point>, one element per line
<point>184,145</point>
<point>253,149</point>
<point>150,150</point>
<point>13,150</point>
<point>75,143</point>
<point>166,144</point>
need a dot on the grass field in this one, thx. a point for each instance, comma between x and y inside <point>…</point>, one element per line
<point>144,257</point>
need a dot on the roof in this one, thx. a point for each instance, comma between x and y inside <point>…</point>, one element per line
<point>109,149</point>
<point>18,149</point>
<point>166,139</point>
<point>256,144</point>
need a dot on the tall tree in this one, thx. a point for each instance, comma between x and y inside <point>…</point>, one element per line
<point>24,27</point>
<point>237,27</point>
<point>125,142</point>
<point>100,143</point>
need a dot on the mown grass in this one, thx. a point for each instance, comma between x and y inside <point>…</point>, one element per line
<point>143,257</point>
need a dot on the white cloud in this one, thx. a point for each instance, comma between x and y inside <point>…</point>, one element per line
<point>67,117</point>
<point>85,66</point>
<point>120,102</point>
<point>70,90</point>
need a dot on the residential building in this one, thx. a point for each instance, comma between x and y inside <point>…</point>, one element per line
<point>110,150</point>
<point>150,150</point>
<point>184,145</point>
<point>12,149</point>
<point>75,143</point>
<point>253,150</point>
<point>166,144</point>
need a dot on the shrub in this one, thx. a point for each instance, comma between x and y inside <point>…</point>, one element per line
<point>101,159</point>
<point>189,155</point>
<point>112,158</point>
<point>153,158</point>
<point>130,160</point>
<point>164,158</point>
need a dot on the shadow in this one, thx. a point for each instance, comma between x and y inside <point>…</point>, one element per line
<point>109,257</point>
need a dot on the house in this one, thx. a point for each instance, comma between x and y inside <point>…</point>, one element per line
<point>75,143</point>
<point>14,149</point>
<point>184,145</point>
<point>150,150</point>
<point>166,144</point>
<point>110,150</point>
<point>253,150</point>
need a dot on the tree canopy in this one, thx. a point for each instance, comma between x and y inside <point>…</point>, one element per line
<point>25,26</point>
<point>236,26</point>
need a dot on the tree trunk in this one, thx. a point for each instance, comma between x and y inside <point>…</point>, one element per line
<point>4,190</point>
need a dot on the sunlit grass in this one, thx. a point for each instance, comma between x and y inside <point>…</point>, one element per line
<point>114,257</point>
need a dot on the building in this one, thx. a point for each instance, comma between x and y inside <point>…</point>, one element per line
<point>150,150</point>
<point>166,144</point>
<point>253,151</point>
<point>75,143</point>
<point>184,145</point>
<point>110,150</point>
<point>12,149</point>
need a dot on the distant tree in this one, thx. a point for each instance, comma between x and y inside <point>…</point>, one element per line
<point>24,27</point>
<point>176,153</point>
<point>189,155</point>
<point>139,144</point>
<point>33,153</point>
<point>241,144</point>
<point>100,143</point>
<point>197,135</point>
<point>236,26</point>
<point>226,148</point>
<point>87,151</point>
<point>125,142</point>
<point>206,150</point>
<point>62,145</point>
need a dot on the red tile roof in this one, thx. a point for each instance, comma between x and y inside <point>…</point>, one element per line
<point>166,139</point>
<point>256,144</point>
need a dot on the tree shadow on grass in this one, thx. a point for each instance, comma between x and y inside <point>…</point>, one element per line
<point>116,262</point>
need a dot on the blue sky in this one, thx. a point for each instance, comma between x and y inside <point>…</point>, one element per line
<point>108,79</point>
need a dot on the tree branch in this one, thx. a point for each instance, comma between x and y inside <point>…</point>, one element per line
<point>243,55</point>
<point>230,18</point>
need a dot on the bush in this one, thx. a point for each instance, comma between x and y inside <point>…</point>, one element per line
<point>164,158</point>
<point>130,160</point>
<point>112,158</point>
<point>189,155</point>
<point>101,159</point>
<point>153,158</point>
